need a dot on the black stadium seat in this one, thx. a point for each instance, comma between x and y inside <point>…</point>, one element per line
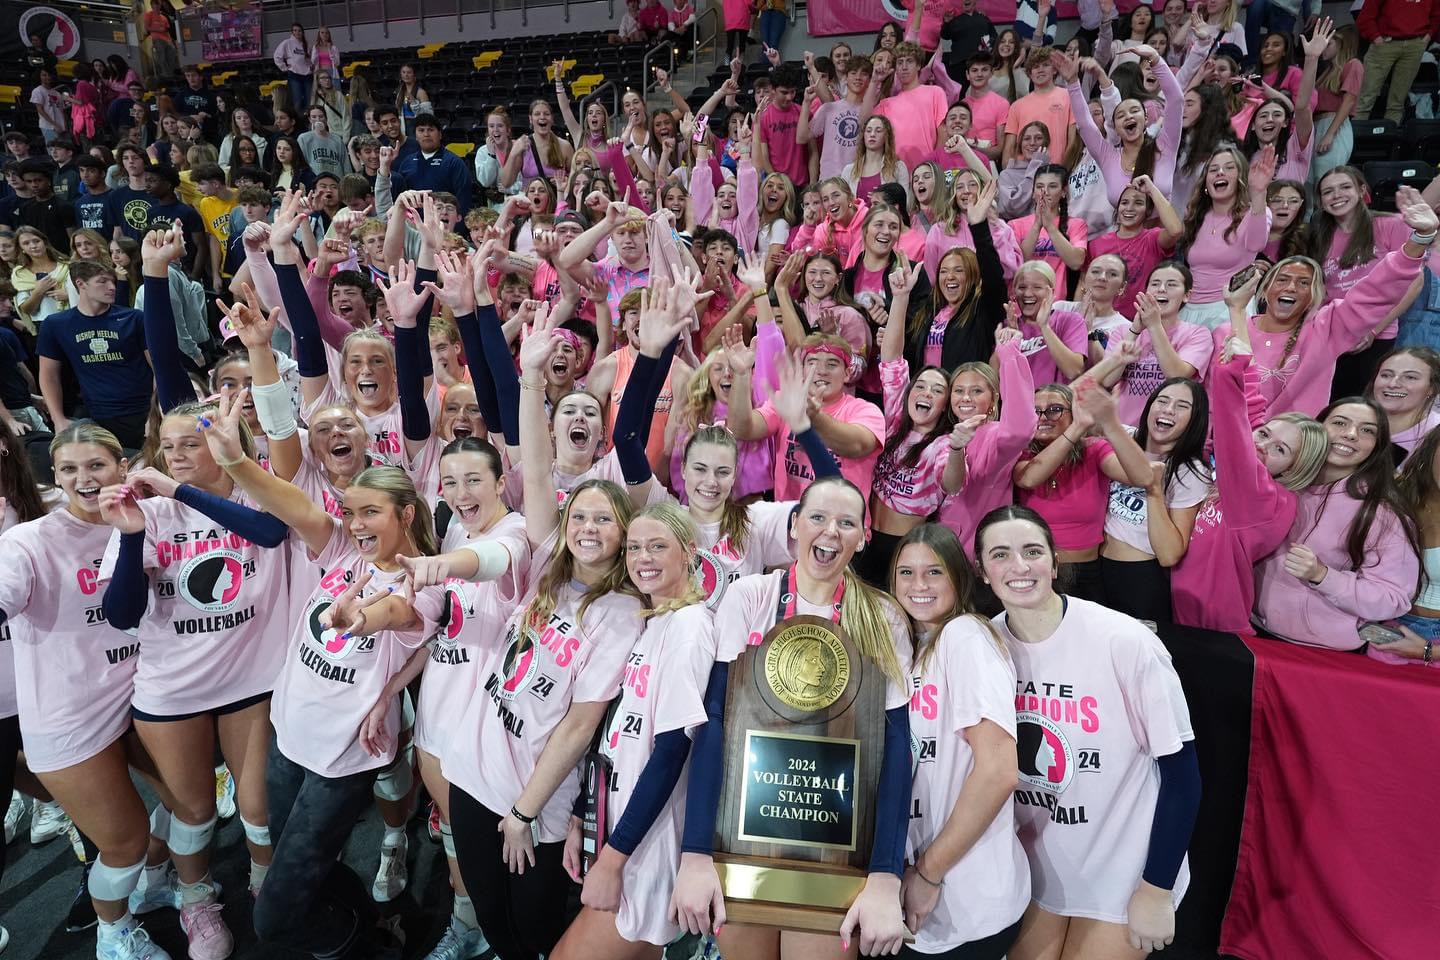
<point>1387,176</point>
<point>1374,140</point>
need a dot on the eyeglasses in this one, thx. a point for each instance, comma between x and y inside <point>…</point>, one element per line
<point>649,549</point>
<point>1053,412</point>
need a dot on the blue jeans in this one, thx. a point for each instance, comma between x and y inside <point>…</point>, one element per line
<point>772,28</point>
<point>1420,325</point>
<point>299,86</point>
<point>310,901</point>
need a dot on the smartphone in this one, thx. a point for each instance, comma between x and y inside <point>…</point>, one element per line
<point>702,126</point>
<point>1381,633</point>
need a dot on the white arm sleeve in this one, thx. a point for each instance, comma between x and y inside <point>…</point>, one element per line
<point>273,407</point>
<point>493,559</point>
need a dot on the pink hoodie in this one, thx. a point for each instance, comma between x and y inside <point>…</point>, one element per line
<point>1214,585</point>
<point>1331,613</point>
<point>745,226</point>
<point>1302,381</point>
<point>990,459</point>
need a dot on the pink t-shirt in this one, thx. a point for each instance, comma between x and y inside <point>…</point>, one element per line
<point>988,115</point>
<point>606,468</point>
<point>387,439</point>
<point>914,115</point>
<point>1073,500</point>
<point>1192,342</point>
<point>468,629</point>
<point>331,682</point>
<point>1215,257</point>
<point>786,155</point>
<point>1076,231</point>
<point>1096,702</point>
<point>1052,108</point>
<point>1352,78</point>
<point>915,490</point>
<point>967,678</point>
<point>1071,329</point>
<point>312,479</point>
<point>1390,234</point>
<point>1140,253</point>
<point>792,466</point>
<point>720,562</point>
<point>212,633</point>
<point>528,683</point>
<point>664,690</point>
<point>837,126</point>
<point>1128,515</point>
<point>748,613</point>
<point>74,674</point>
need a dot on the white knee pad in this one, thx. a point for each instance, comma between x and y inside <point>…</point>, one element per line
<point>397,779</point>
<point>256,834</point>
<point>447,840</point>
<point>160,822</point>
<point>114,883</point>
<point>188,838</point>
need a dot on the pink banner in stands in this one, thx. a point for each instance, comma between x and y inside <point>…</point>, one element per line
<point>829,17</point>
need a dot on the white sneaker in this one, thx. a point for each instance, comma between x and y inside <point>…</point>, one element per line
<point>224,792</point>
<point>13,816</point>
<point>47,821</point>
<point>132,944</point>
<point>459,944</point>
<point>160,896</point>
<point>393,874</point>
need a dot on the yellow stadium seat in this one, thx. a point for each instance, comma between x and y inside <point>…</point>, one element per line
<point>349,69</point>
<point>461,150</point>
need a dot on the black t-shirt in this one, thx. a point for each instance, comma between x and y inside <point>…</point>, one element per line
<point>54,217</point>
<point>969,34</point>
<point>14,391</point>
<point>96,211</point>
<point>195,102</point>
<point>10,209</point>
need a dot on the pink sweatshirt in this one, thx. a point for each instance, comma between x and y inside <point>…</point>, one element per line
<point>1302,381</point>
<point>941,240</point>
<point>745,226</point>
<point>914,491</point>
<point>839,238</point>
<point>991,457</point>
<point>1108,155</point>
<point>1214,585</point>
<point>1215,258</point>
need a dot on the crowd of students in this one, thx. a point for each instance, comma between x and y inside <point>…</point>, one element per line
<point>998,356</point>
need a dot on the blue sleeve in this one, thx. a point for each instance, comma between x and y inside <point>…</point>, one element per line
<point>822,461</point>
<point>502,372</point>
<point>892,796</point>
<point>707,768</point>
<point>309,347</point>
<point>414,415</point>
<point>172,385</point>
<point>1175,811</point>
<point>633,419</point>
<point>260,528</point>
<point>422,321</point>
<point>122,293</point>
<point>469,328</point>
<point>128,592</point>
<point>460,180</point>
<point>47,343</point>
<point>657,781</point>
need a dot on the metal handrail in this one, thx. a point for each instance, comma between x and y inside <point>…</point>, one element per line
<point>696,42</point>
<point>646,78</point>
<point>594,95</point>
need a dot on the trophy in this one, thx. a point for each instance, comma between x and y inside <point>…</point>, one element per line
<point>804,734</point>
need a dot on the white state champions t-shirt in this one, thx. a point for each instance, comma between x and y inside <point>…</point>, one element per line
<point>74,673</point>
<point>967,678</point>
<point>526,688</point>
<point>1095,703</point>
<point>212,633</point>
<point>767,544</point>
<point>664,690</point>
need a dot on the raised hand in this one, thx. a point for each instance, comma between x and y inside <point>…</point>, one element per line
<point>739,354</point>
<point>222,431</point>
<point>539,342</point>
<point>256,236</point>
<point>1417,214</point>
<point>1315,44</point>
<point>791,396</point>
<point>251,324</point>
<point>120,509</point>
<point>689,296</point>
<point>1093,401</point>
<point>160,248</point>
<point>790,272</point>
<point>1262,170</point>
<point>904,276</point>
<point>661,320</point>
<point>984,202</point>
<point>457,282</point>
<point>400,294</point>
<point>1147,310</point>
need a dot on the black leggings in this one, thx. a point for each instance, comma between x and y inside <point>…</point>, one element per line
<point>1083,580</point>
<point>1140,588</point>
<point>736,41</point>
<point>992,947</point>
<point>9,753</point>
<point>1354,370</point>
<point>523,915</point>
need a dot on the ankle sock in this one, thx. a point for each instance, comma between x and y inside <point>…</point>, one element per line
<point>464,912</point>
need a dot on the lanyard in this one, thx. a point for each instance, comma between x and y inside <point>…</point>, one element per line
<point>785,608</point>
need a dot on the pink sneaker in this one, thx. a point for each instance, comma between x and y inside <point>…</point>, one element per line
<point>209,937</point>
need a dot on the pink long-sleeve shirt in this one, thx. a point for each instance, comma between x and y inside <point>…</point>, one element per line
<point>993,452</point>
<point>940,240</point>
<point>915,490</point>
<point>1108,155</point>
<point>1247,518</point>
<point>1330,613</point>
<point>1214,258</point>
<point>1302,381</point>
<point>746,224</point>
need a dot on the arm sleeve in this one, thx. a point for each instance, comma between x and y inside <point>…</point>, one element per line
<point>422,322</point>
<point>309,346</point>
<point>414,417</point>
<point>127,594</point>
<point>172,386</point>
<point>657,781</point>
<point>707,768</point>
<point>260,528</point>
<point>1175,811</point>
<point>892,796</point>
<point>1171,129</point>
<point>633,419</point>
<point>502,372</point>
<point>333,330</point>
<point>480,378</point>
<point>822,461</point>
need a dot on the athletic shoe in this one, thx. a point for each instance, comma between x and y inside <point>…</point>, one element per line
<point>393,874</point>
<point>205,929</point>
<point>13,816</point>
<point>224,792</point>
<point>133,944</point>
<point>433,822</point>
<point>160,896</point>
<point>47,821</point>
<point>82,911</point>
<point>459,944</point>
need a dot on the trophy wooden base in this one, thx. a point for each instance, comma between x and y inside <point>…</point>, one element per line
<point>787,894</point>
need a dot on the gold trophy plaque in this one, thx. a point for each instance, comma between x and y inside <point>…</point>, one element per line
<point>804,733</point>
